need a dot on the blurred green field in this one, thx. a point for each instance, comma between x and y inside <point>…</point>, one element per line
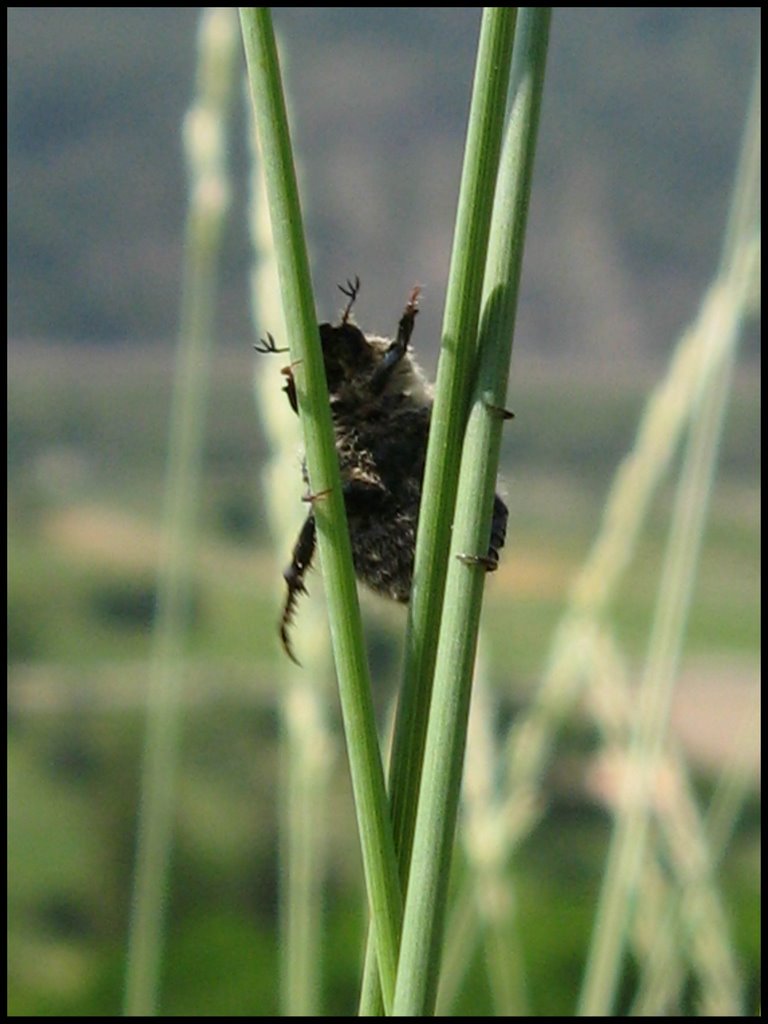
<point>86,440</point>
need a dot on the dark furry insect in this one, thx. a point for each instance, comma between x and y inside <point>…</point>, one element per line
<point>381,406</point>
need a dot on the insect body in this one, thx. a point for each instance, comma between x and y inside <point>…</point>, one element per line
<point>381,407</point>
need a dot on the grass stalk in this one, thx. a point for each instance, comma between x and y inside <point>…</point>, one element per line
<point>698,358</point>
<point>484,136</point>
<point>719,981</point>
<point>676,585</point>
<point>483,835</point>
<point>674,915</point>
<point>446,734</point>
<point>447,425</point>
<point>366,769</point>
<point>307,743</point>
<point>205,149</point>
<point>303,792</point>
<point>627,846</point>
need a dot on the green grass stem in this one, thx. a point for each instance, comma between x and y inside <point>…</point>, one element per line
<point>495,919</point>
<point>366,769</point>
<point>446,734</point>
<point>698,358</point>
<point>710,945</point>
<point>205,149</point>
<point>628,844</point>
<point>307,740</point>
<point>484,136</point>
<point>674,914</point>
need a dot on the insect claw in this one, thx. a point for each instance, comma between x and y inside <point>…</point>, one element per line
<point>317,496</point>
<point>287,371</point>
<point>268,345</point>
<point>295,587</point>
<point>290,385</point>
<point>285,641</point>
<point>489,562</point>
<point>500,411</point>
<point>350,290</point>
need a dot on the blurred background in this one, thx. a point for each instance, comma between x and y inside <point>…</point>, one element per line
<point>641,125</point>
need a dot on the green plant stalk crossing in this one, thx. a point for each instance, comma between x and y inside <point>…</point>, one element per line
<point>452,392</point>
<point>446,735</point>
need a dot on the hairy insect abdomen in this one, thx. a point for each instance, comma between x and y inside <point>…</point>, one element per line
<point>382,466</point>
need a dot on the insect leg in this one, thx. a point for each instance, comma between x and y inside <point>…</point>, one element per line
<point>289,388</point>
<point>498,530</point>
<point>268,346</point>
<point>399,346</point>
<point>498,535</point>
<point>294,577</point>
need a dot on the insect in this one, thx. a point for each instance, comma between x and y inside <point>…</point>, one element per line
<point>381,406</point>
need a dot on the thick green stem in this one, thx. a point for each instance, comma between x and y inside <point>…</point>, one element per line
<point>484,135</point>
<point>366,769</point>
<point>446,734</point>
